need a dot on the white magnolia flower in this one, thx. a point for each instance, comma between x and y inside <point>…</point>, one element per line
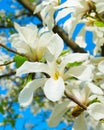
<point>82,94</point>
<point>78,8</point>
<point>33,42</point>
<point>47,10</point>
<point>54,86</point>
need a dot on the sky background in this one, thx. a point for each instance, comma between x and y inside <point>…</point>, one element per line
<point>38,121</point>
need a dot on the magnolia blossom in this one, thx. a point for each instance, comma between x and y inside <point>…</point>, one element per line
<point>78,9</point>
<point>97,115</point>
<point>54,86</point>
<point>82,92</point>
<point>47,10</point>
<point>33,42</point>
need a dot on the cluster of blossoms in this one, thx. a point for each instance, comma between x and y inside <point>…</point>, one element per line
<point>63,75</point>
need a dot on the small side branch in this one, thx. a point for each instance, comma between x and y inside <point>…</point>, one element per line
<point>70,42</point>
<point>13,51</point>
<point>7,63</point>
<point>8,74</point>
<point>69,96</point>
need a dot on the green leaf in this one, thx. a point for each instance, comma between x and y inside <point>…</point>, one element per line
<point>93,101</point>
<point>32,0</point>
<point>12,122</point>
<point>74,64</point>
<point>99,23</point>
<point>29,78</point>
<point>64,52</point>
<point>1,109</point>
<point>19,60</point>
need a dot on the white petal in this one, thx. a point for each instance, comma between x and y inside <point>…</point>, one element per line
<point>100,126</point>
<point>95,89</point>
<point>38,8</point>
<point>62,13</point>
<point>82,72</point>
<point>69,3</point>
<point>101,66</point>
<point>81,41</point>
<point>96,110</point>
<point>26,95</point>
<point>74,57</point>
<point>56,45</point>
<point>58,112</point>
<point>54,89</point>
<point>29,67</point>
<point>25,32</point>
<point>70,25</point>
<point>18,43</point>
<point>79,123</point>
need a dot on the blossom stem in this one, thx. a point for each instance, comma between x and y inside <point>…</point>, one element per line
<point>69,96</point>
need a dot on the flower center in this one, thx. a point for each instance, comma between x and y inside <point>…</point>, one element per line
<point>56,75</point>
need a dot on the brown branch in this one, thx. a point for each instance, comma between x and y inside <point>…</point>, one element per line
<point>69,96</point>
<point>102,50</point>
<point>11,50</point>
<point>7,63</point>
<point>8,74</point>
<point>28,5</point>
<point>70,42</point>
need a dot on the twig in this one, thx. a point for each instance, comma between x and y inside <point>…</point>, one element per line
<point>8,74</point>
<point>11,50</point>
<point>70,42</point>
<point>7,63</point>
<point>75,100</point>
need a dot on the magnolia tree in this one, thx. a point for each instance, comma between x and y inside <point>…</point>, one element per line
<point>45,74</point>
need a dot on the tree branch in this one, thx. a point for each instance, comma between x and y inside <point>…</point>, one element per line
<point>7,63</point>
<point>70,42</point>
<point>75,100</point>
<point>8,74</point>
<point>13,51</point>
<point>28,5</point>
